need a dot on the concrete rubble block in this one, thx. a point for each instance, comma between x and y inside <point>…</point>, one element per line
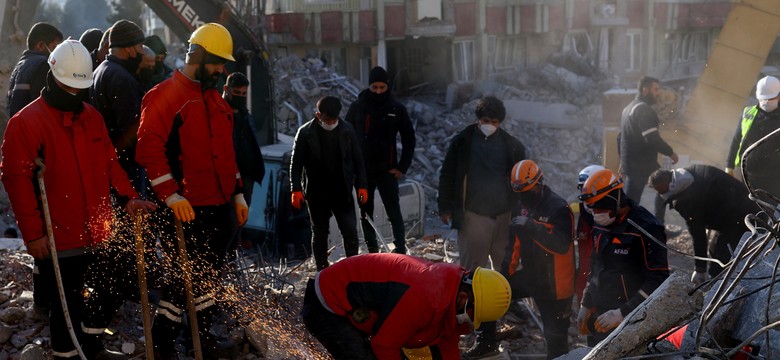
<point>33,352</point>
<point>12,315</point>
<point>4,297</point>
<point>666,307</point>
<point>5,333</point>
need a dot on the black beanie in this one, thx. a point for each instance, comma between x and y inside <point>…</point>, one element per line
<point>125,33</point>
<point>377,75</point>
<point>156,44</point>
<point>91,38</point>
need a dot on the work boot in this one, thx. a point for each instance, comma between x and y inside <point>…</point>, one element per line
<point>399,250</point>
<point>373,249</point>
<point>93,349</point>
<point>486,345</point>
<point>219,349</point>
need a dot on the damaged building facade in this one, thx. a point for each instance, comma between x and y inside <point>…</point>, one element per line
<point>438,42</point>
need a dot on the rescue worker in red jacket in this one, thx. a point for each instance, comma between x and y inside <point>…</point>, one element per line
<point>626,266</point>
<point>540,254</point>
<point>81,168</point>
<point>185,142</point>
<point>584,230</point>
<point>371,306</point>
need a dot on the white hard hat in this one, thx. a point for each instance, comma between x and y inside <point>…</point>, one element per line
<point>71,64</point>
<point>767,88</point>
<point>586,172</point>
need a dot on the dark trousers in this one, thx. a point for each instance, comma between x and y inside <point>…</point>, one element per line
<point>72,270</point>
<point>205,241</point>
<point>336,333</point>
<point>721,246</point>
<point>635,184</point>
<point>556,318</point>
<point>388,191</point>
<point>320,210</point>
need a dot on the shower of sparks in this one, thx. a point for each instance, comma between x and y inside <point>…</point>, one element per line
<point>257,296</point>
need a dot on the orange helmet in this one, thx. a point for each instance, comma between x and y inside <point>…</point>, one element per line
<point>525,174</point>
<point>599,185</point>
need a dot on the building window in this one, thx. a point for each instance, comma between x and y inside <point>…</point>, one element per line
<point>695,46</point>
<point>506,52</point>
<point>634,47</point>
<point>463,60</point>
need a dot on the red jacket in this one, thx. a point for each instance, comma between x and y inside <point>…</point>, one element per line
<point>400,300</point>
<point>81,167</point>
<point>185,142</point>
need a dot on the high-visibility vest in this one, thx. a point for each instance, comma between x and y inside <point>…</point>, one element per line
<point>748,115</point>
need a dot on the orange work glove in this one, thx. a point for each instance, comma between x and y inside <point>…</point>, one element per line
<point>182,209</point>
<point>297,200</point>
<point>362,196</point>
<point>242,209</point>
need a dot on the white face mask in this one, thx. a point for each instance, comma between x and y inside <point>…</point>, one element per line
<point>603,219</point>
<point>487,129</point>
<point>768,105</point>
<point>464,317</point>
<point>329,127</point>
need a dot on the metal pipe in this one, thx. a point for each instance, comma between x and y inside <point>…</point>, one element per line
<point>296,111</point>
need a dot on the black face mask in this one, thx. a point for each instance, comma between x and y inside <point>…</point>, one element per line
<point>145,75</point>
<point>378,99</point>
<point>134,62</point>
<point>158,67</point>
<point>60,99</point>
<point>207,81</point>
<point>237,102</point>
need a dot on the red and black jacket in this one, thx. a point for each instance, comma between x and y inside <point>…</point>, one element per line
<point>81,167</point>
<point>544,246</point>
<point>185,142</point>
<point>400,300</point>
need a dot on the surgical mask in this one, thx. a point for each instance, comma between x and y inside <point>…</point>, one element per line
<point>768,105</point>
<point>329,127</point>
<point>603,219</point>
<point>487,129</point>
<point>463,318</point>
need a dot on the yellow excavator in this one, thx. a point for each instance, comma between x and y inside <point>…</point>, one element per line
<point>711,116</point>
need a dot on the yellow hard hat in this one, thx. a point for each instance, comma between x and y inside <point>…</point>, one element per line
<point>492,295</point>
<point>215,39</point>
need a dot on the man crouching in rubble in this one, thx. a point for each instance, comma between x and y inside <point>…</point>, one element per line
<point>376,306</point>
<point>626,266</point>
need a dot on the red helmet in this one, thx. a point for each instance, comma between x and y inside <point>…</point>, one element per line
<point>525,174</point>
<point>599,185</point>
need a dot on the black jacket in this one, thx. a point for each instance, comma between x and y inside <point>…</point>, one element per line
<point>27,80</point>
<point>377,127</point>
<point>715,200</point>
<point>626,266</point>
<point>544,246</point>
<point>248,156</point>
<point>640,141</point>
<point>307,156</point>
<point>117,94</point>
<point>456,168</point>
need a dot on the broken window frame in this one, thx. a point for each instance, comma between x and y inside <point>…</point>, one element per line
<point>463,64</point>
<point>634,50</point>
<point>578,41</point>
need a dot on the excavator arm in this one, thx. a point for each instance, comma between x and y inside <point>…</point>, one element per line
<point>184,16</point>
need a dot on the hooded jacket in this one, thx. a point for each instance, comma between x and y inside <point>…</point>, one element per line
<point>377,127</point>
<point>708,198</point>
<point>399,300</point>
<point>81,167</point>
